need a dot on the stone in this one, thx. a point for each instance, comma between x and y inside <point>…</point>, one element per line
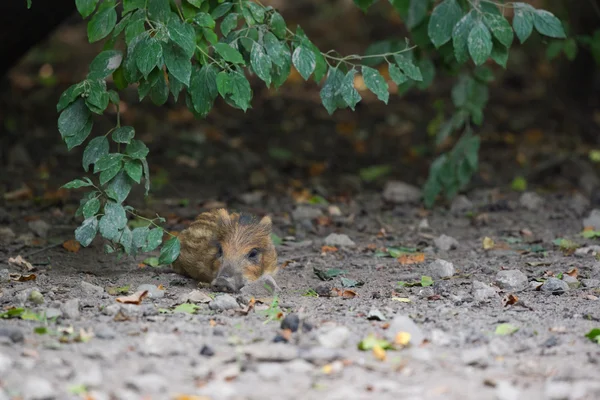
<point>53,313</point>
<point>571,281</point>
<point>299,366</point>
<point>333,337</point>
<point>279,352</point>
<point>89,374</point>
<point>511,280</point>
<point>90,289</point>
<point>401,193</point>
<point>555,286</point>
<point>105,332</point>
<point>593,220</point>
<point>39,227</point>
<point>590,283</point>
<point>207,351</point>
<point>507,391</point>
<point>6,235</point>
<point>4,276</point>
<point>403,323</point>
<point>483,293</point>
<point>162,344</point>
<point>36,297</point>
<point>250,198</point>
<point>339,240</point>
<point>460,204</point>
<point>579,203</point>
<point>36,388</point>
<point>148,383</point>
<point>375,315</point>
<point>424,225</point>
<point>440,338</point>
<point>6,363</point>
<point>195,296</point>
<point>265,286</point>
<point>11,333</point>
<point>291,322</point>
<point>70,308</point>
<point>441,269</point>
<point>153,291</point>
<point>478,356</point>
<point>320,355</point>
<point>445,242</point>
<point>223,302</point>
<point>270,372</point>
<point>111,309</point>
<point>531,201</point>
<point>303,212</point>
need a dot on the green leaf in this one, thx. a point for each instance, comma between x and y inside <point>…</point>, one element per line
<point>281,73</point>
<point>97,97</point>
<point>134,170</point>
<point>505,329</point>
<point>229,54</point>
<point>79,137</point>
<point>594,335</point>
<point>154,239</point>
<point>135,29</point>
<point>417,12</point>
<point>126,240</point>
<point>187,308</point>
<point>426,281</point>
<point>397,76</point>
<point>110,172</point>
<point>146,176</point>
<point>330,93</point>
<point>261,63</point>
<point>148,54</point>
<point>460,36</point>
<point>407,66</point>
<point>137,149</point>
<point>258,12</point>
<point>91,207</point>
<point>236,86</point>
<point>364,4</point>
<point>347,90</point>
<point>76,184</point>
<point>277,51</point>
<point>376,83</point>
<point>547,24</point>
<point>105,64</point>
<point>101,24</point>
<point>500,28</point>
<point>523,22</point>
<point>327,275</point>
<point>85,233</point>
<point>183,35</point>
<point>221,10</point>
<point>69,95</point>
<point>371,341</point>
<point>278,26</point>
<point>130,5</point>
<point>123,134</point>
<point>139,236</point>
<point>480,43</point>
<point>210,35</point>
<point>229,23</point>
<point>113,221</point>
<point>73,119</point>
<point>158,10</point>
<point>170,251</point>
<point>203,88</point>
<point>119,187</point>
<point>519,184</point>
<point>96,149</point>
<point>372,173</point>
<point>500,54</point>
<point>86,7</point>
<point>177,62</point>
<point>442,22</point>
<point>304,60</point>
<point>107,161</point>
<point>204,20</point>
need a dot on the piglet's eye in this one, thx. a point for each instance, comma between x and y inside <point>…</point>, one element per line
<point>219,250</point>
<point>253,253</point>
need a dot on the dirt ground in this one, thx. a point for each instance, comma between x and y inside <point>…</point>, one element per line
<point>514,285</point>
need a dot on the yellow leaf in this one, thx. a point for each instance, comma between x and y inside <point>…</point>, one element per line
<point>488,243</point>
<point>401,299</point>
<point>402,338</point>
<point>379,353</point>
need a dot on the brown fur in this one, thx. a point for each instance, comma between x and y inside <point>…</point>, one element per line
<point>237,236</point>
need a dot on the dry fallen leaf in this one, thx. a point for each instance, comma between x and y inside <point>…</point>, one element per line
<point>22,277</point>
<point>488,243</point>
<point>402,338</point>
<point>21,262</point>
<point>401,299</point>
<point>23,193</point>
<point>246,310</point>
<point>509,300</point>
<point>379,353</point>
<point>72,245</point>
<point>328,249</point>
<point>212,323</point>
<point>573,272</point>
<point>135,298</point>
<point>407,259</point>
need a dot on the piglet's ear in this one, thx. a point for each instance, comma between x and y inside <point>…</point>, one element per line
<point>266,222</point>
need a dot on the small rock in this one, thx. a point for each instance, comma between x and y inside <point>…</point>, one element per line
<point>91,290</point>
<point>299,366</point>
<point>579,203</point>
<point>592,250</point>
<point>279,352</point>
<point>333,337</point>
<point>460,204</point>
<point>207,351</point>
<point>6,235</point>
<point>35,388</point>
<point>270,372</point>
<point>291,322</point>
<point>320,355</point>
<point>403,323</point>
<point>339,240</point>
<point>70,308</point>
<point>478,356</point>
<point>323,289</point>
<point>303,212</point>
<point>162,344</point>
<point>375,315</point>
<point>555,286</point>
<point>36,297</point>
<point>590,283</point>
<point>4,276</point>
<point>593,220</point>
<point>223,302</point>
<point>424,225</point>
<point>511,280</point>
<point>153,291</point>
<point>195,296</point>
<point>89,375</point>
<point>105,332</point>
<point>53,313</point>
<point>14,334</point>
<point>483,293</point>
<point>445,242</point>
<point>111,309</point>
<point>265,286</point>
<point>441,269</point>
<point>531,201</point>
<point>250,198</point>
<point>39,227</point>
<point>400,193</point>
<point>440,338</point>
<point>148,383</point>
<point>558,390</point>
<point>507,391</point>
<point>572,282</point>
<point>5,363</point>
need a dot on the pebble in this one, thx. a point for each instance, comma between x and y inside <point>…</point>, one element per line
<point>89,374</point>
<point>265,286</point>
<point>39,227</point>
<point>592,220</point>
<point>339,240</point>
<point>590,283</point>
<point>90,289</point>
<point>6,235</point>
<point>291,322</point>
<point>6,363</point>
<point>223,302</point>
<point>555,286</point>
<point>483,293</point>
<point>162,344</point>
<point>478,356</point>
<point>403,323</point>
<point>36,297</point>
<point>400,193</point>
<point>376,315</point>
<point>53,313</point>
<point>4,276</point>
<point>440,338</point>
<point>35,388</point>
<point>270,352</point>
<point>333,337</point>
<point>320,355</point>
<point>12,333</point>
<point>299,366</point>
<point>70,308</point>
<point>531,201</point>
<point>572,282</point>
<point>303,212</point>
<point>511,280</point>
<point>153,291</point>
<point>147,383</point>
<point>507,391</point>
<point>592,250</point>
<point>441,269</point>
<point>105,332</point>
<point>270,371</point>
<point>460,204</point>
<point>445,243</point>
<point>111,309</point>
<point>250,198</point>
<point>207,351</point>
<point>195,296</point>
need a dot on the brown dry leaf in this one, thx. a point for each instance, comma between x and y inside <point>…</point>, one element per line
<point>385,325</point>
<point>526,232</point>
<point>324,220</point>
<point>510,299</point>
<point>72,245</point>
<point>286,263</point>
<point>590,297</point>
<point>328,249</point>
<point>379,353</point>
<point>120,317</point>
<point>56,196</point>
<point>359,83</point>
<point>22,278</point>
<point>402,338</point>
<point>558,329</point>
<point>24,193</point>
<point>349,294</point>
<point>212,323</point>
<point>21,262</point>
<point>488,243</point>
<point>372,246</point>
<point>301,195</point>
<point>135,298</point>
<point>407,259</point>
<point>246,310</point>
<point>573,272</point>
